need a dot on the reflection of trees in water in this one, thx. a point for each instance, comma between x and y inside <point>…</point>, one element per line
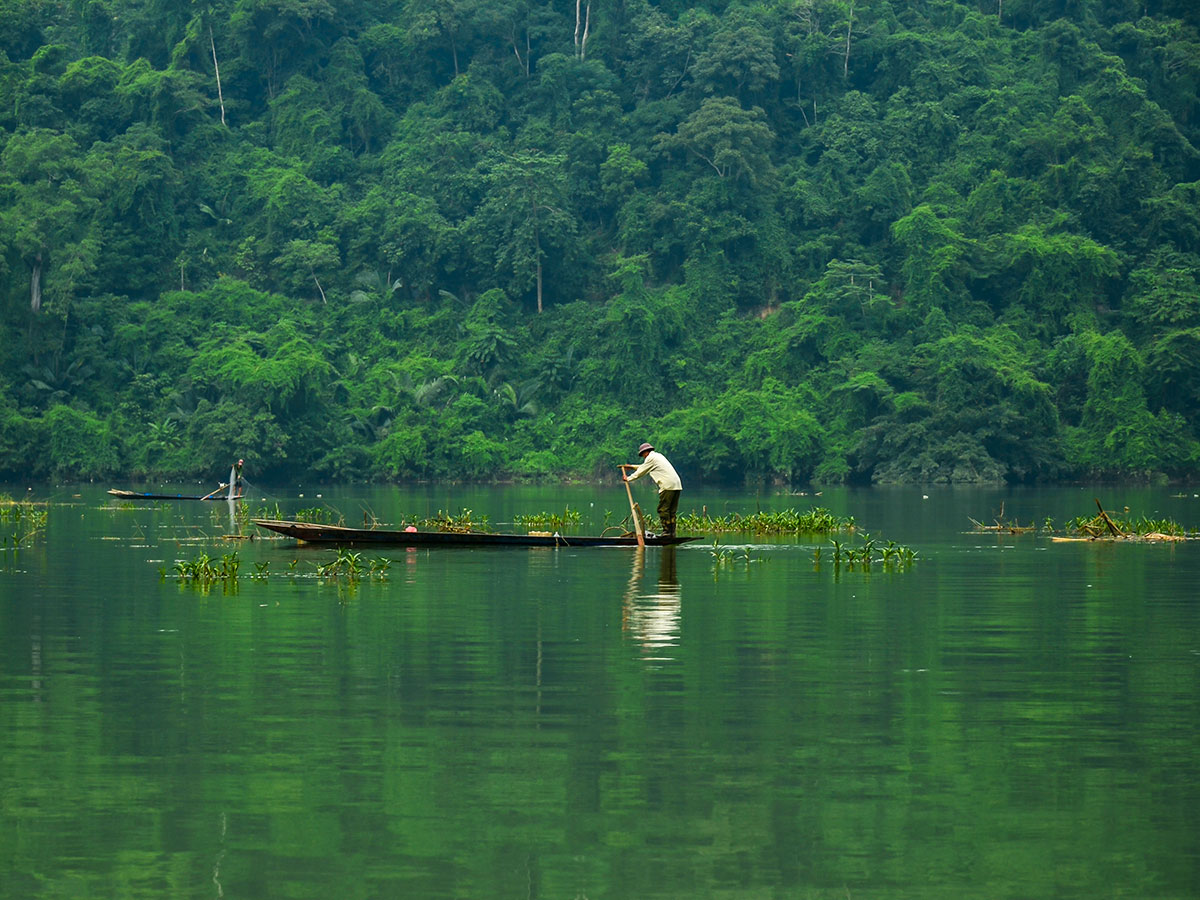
<point>652,619</point>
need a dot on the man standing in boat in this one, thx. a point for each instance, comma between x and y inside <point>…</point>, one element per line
<point>669,486</point>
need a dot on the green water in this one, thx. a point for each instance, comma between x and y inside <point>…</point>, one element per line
<point>1010,718</point>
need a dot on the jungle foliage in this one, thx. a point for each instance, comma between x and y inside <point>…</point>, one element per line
<point>804,240</point>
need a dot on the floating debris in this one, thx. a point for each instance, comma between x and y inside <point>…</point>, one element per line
<point>1105,527</point>
<point>1002,525</point>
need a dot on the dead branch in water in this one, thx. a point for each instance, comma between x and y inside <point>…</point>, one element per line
<point>1112,527</point>
<point>1001,525</point>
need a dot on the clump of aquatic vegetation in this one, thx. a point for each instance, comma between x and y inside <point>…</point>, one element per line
<point>869,552</point>
<point>550,519</point>
<point>319,515</point>
<point>204,570</point>
<point>218,514</point>
<point>23,521</point>
<point>1110,525</point>
<point>730,557</point>
<point>1003,525</point>
<point>351,566</point>
<point>789,521</point>
<point>1101,525</point>
<point>463,521</point>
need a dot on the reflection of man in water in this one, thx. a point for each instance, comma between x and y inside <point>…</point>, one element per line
<point>653,619</point>
<point>668,581</point>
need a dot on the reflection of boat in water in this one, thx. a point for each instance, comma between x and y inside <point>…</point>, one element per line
<point>339,534</point>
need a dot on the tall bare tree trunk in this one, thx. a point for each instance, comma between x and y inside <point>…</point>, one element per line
<point>220,96</point>
<point>537,252</point>
<point>849,30</point>
<point>587,21</point>
<point>517,50</point>
<point>35,285</point>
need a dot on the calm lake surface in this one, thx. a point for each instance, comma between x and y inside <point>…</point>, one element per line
<point>1008,718</point>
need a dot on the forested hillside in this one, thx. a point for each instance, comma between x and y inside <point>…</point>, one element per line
<point>807,240</point>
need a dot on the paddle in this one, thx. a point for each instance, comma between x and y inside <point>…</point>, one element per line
<point>633,509</point>
<point>214,493</point>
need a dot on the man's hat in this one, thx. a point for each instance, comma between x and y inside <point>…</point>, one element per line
<point>645,448</point>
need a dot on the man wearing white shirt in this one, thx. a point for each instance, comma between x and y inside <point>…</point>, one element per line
<point>669,486</point>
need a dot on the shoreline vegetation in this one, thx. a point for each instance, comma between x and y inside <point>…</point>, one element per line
<point>809,243</point>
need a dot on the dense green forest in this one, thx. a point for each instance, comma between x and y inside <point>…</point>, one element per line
<point>802,240</point>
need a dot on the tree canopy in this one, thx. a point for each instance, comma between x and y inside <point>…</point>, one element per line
<point>794,240</point>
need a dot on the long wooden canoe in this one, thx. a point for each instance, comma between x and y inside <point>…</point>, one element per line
<point>338,534</point>
<point>141,495</point>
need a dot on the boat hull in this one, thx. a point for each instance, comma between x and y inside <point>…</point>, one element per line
<point>337,534</point>
<point>140,495</point>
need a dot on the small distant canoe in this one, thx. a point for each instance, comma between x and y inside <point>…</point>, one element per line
<point>141,495</point>
<point>337,534</point>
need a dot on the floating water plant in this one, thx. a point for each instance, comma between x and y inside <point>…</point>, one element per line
<point>464,521</point>
<point>728,557</point>
<point>890,555</point>
<point>788,521</point>
<point>23,521</point>
<point>205,571</point>
<point>550,519</point>
<point>1114,527</point>
<point>241,515</point>
<point>349,564</point>
<point>318,515</point>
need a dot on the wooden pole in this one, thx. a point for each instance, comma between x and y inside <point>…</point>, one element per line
<point>633,510</point>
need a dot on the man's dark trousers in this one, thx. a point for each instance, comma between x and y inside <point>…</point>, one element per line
<point>668,505</point>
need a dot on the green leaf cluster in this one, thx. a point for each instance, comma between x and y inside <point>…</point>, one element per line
<point>795,241</point>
